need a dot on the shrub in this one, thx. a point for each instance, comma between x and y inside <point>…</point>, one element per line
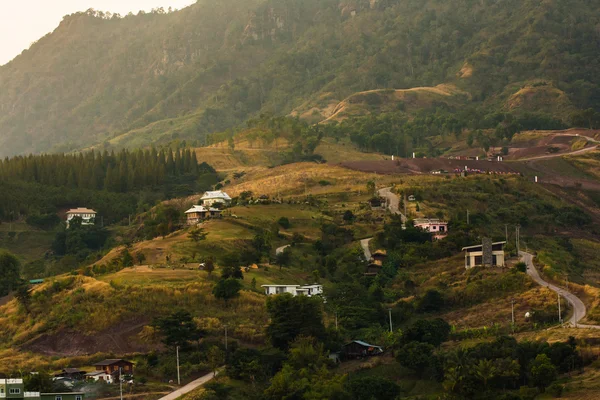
<point>284,222</point>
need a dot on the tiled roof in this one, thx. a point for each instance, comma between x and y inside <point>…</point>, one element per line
<point>218,194</point>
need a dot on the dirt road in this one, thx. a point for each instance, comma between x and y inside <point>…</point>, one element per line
<point>393,202</point>
<point>365,246</point>
<point>579,310</point>
<point>281,249</point>
<point>189,387</point>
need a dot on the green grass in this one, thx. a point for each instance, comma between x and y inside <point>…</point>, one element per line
<point>28,244</point>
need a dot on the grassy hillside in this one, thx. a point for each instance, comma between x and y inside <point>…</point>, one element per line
<point>109,80</point>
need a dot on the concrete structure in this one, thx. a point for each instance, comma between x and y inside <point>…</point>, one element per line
<point>437,227</point>
<point>211,198</point>
<point>474,255</point>
<point>88,216</point>
<point>15,389</point>
<point>294,290</point>
<point>197,214</point>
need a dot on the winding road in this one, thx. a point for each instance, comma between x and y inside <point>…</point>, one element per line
<point>393,203</point>
<point>189,387</point>
<point>579,310</point>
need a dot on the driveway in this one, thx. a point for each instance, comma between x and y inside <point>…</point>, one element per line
<point>579,310</point>
<point>189,387</point>
<point>365,246</point>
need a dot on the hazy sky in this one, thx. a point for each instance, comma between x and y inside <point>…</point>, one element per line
<point>22,22</point>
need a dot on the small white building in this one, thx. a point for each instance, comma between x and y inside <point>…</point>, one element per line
<point>88,216</point>
<point>210,198</point>
<point>99,376</point>
<point>438,228</point>
<point>294,290</point>
<point>474,255</point>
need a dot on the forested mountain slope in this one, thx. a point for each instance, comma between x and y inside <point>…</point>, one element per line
<point>158,76</point>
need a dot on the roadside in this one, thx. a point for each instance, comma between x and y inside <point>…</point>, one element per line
<point>190,386</point>
<point>579,310</point>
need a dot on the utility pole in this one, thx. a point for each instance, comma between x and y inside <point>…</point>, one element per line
<point>467,216</point>
<point>512,306</point>
<point>121,382</point>
<point>390,312</point>
<point>506,232</point>
<point>559,314</point>
<point>178,376</point>
<point>225,337</point>
<point>517,228</point>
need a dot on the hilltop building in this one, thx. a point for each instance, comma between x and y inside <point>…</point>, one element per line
<point>211,198</point>
<point>197,214</point>
<point>360,349</point>
<point>438,228</point>
<point>294,290</point>
<point>88,216</point>
<point>15,389</point>
<point>376,263</point>
<point>114,366</point>
<point>476,255</point>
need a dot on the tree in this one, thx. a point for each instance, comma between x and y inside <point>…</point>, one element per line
<point>434,332</point>
<point>292,317</point>
<point>197,235</point>
<point>284,258</point>
<point>284,222</point>
<point>485,370</point>
<point>371,187</point>
<point>417,356</point>
<point>178,329</point>
<point>209,265</point>
<point>348,217</point>
<point>23,295</point>
<point>126,258</point>
<point>542,372</point>
<point>9,271</point>
<point>431,302</point>
<point>140,258</point>
<point>373,388</point>
<point>227,289</point>
<point>262,243</point>
<point>216,358</point>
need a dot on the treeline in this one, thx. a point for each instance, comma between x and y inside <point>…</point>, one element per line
<point>122,172</point>
<point>399,134</point>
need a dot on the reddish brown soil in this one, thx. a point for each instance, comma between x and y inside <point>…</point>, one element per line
<point>120,339</point>
<point>426,166</point>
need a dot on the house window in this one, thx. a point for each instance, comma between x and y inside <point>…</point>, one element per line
<point>78,398</point>
<point>478,260</point>
<point>494,260</point>
<point>1,390</point>
<point>58,398</point>
<point>442,228</point>
<point>14,391</point>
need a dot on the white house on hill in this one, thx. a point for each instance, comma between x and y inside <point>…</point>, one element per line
<point>87,216</point>
<point>294,290</point>
<point>197,214</point>
<point>438,228</point>
<point>210,198</point>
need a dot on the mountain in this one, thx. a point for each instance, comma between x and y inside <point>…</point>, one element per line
<point>105,80</point>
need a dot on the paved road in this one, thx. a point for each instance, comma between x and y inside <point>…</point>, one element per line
<point>189,387</point>
<point>393,202</point>
<point>365,246</point>
<point>579,310</point>
<point>281,249</point>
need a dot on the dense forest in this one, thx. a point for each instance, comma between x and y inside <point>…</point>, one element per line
<point>127,81</point>
<point>115,184</point>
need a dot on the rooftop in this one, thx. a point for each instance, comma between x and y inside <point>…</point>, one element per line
<point>111,361</point>
<point>481,245</point>
<point>365,344</point>
<point>218,194</point>
<point>196,209</point>
<point>81,210</point>
<point>429,221</point>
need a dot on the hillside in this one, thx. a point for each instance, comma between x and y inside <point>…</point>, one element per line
<point>128,81</point>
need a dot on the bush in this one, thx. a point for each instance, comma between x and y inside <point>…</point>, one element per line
<point>521,267</point>
<point>556,390</point>
<point>284,223</point>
